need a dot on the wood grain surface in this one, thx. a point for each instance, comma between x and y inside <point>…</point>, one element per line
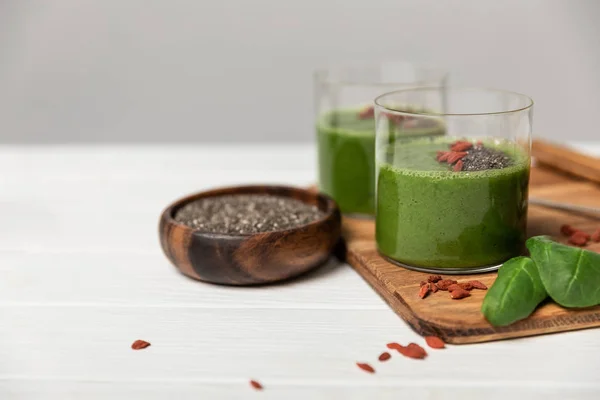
<point>565,159</point>
<point>460,321</point>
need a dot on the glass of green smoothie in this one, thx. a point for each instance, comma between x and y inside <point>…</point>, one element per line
<point>455,203</point>
<point>345,126</point>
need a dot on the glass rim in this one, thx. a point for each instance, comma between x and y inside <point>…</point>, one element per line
<point>379,98</point>
<point>357,66</point>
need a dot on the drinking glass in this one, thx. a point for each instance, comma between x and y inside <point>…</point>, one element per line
<point>455,203</point>
<point>345,126</point>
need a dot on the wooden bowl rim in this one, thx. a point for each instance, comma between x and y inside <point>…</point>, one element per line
<point>168,213</point>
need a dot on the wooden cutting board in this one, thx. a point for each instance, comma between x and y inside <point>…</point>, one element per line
<point>460,321</point>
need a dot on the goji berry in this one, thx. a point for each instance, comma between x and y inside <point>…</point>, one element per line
<point>424,291</point>
<point>366,113</point>
<point>459,294</point>
<point>433,287</point>
<point>256,385</point>
<point>435,342</point>
<point>366,367</point>
<point>139,344</point>
<point>461,146</point>
<point>455,156</point>
<point>413,350</point>
<point>444,283</point>
<point>567,230</point>
<point>393,346</point>
<point>579,238</point>
<point>478,285</point>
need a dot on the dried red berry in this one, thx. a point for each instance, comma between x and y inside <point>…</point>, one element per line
<point>596,236</point>
<point>444,156</point>
<point>423,283</point>
<point>459,294</point>
<point>366,367</point>
<point>458,166</point>
<point>435,342</point>
<point>454,286</point>
<point>434,278</point>
<point>395,118</point>
<point>461,146</point>
<point>424,291</point>
<point>433,287</point>
<point>567,230</point>
<point>413,350</point>
<point>455,156</point>
<point>385,356</point>
<point>256,385</point>
<point>466,285</point>
<point>585,235</point>
<point>139,344</point>
<point>366,113</point>
<point>393,346</point>
<point>478,285</point>
<point>444,283</point>
<point>579,238</point>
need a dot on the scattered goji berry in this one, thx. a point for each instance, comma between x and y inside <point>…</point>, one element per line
<point>139,344</point>
<point>458,166</point>
<point>459,294</point>
<point>366,113</point>
<point>435,342</point>
<point>579,238</point>
<point>433,287</point>
<point>256,385</point>
<point>444,283</point>
<point>413,350</point>
<point>393,346</point>
<point>424,291</point>
<point>454,286</point>
<point>395,118</point>
<point>385,356</point>
<point>595,236</point>
<point>466,285</point>
<point>366,367</point>
<point>478,285</point>
<point>434,278</point>
<point>567,230</point>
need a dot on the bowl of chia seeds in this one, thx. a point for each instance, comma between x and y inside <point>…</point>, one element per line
<point>249,235</point>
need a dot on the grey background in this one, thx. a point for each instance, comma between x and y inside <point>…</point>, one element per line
<point>237,70</point>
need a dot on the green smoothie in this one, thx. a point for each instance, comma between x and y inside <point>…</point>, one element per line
<point>430,216</point>
<point>346,154</point>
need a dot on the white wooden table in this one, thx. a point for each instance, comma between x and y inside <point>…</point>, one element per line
<point>82,276</point>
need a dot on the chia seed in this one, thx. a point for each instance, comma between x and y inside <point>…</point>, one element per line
<point>243,214</point>
<point>480,158</point>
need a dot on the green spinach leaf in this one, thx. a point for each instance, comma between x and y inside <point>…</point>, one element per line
<point>516,292</point>
<point>570,275</point>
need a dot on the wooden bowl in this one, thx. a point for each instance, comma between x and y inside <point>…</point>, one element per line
<point>255,258</point>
